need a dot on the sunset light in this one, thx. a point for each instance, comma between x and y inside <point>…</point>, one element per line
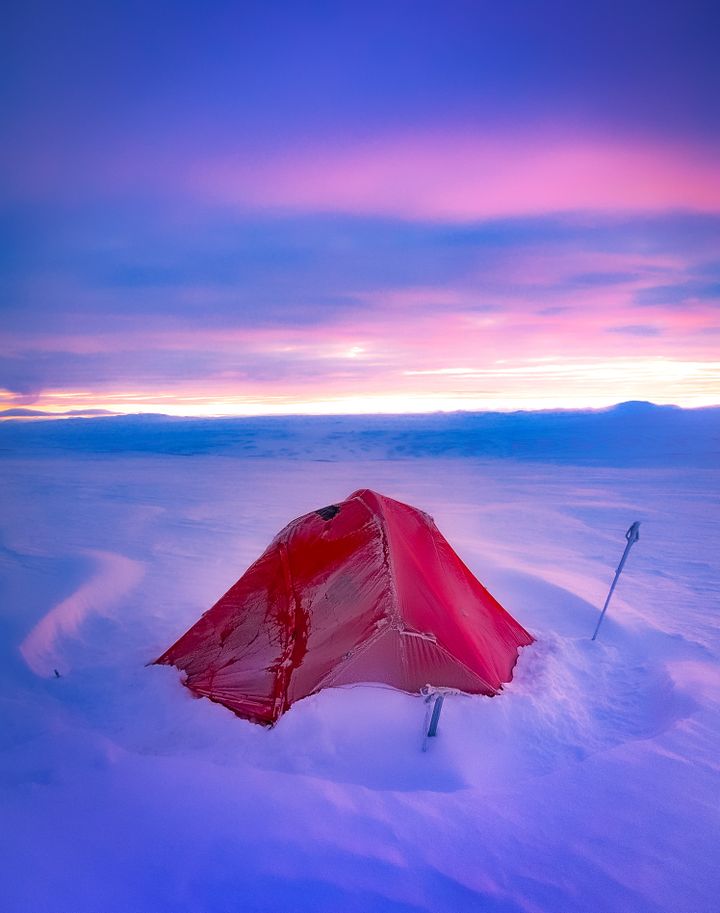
<point>347,347</point>
<point>515,234</point>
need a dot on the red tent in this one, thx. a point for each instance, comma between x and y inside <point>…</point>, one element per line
<point>367,590</point>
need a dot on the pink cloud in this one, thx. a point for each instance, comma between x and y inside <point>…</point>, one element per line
<point>519,329</point>
<point>461,177</point>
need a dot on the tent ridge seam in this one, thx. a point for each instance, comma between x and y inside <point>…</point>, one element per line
<point>381,522</point>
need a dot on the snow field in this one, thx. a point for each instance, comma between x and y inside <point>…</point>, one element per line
<point>591,784</point>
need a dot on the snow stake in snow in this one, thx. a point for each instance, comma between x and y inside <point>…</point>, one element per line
<point>431,728</point>
<point>632,536</point>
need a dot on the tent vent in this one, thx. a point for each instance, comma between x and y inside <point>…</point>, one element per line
<point>327,513</point>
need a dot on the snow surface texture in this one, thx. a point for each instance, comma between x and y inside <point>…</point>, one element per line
<point>591,784</point>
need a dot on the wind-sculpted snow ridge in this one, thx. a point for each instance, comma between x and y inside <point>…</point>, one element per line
<point>589,784</point>
<point>631,434</point>
<point>114,577</point>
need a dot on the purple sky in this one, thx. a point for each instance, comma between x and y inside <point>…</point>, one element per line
<point>255,207</point>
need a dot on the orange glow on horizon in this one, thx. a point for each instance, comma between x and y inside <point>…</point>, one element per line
<point>533,384</point>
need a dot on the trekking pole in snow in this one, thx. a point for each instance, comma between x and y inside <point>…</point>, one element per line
<point>632,536</point>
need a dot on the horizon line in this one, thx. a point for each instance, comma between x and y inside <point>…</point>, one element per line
<point>21,413</point>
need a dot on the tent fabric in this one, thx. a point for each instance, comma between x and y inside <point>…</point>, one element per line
<point>367,590</point>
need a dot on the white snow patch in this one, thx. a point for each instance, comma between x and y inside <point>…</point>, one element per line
<point>590,784</point>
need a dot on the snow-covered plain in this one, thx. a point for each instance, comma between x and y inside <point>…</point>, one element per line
<point>589,786</point>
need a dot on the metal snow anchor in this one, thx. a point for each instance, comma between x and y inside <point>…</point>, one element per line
<point>434,697</point>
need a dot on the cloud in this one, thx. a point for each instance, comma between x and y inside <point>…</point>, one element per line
<point>131,299</point>
<point>466,177</point>
<point>84,270</point>
<point>636,329</point>
<point>681,293</point>
<point>247,362</point>
<point>283,198</point>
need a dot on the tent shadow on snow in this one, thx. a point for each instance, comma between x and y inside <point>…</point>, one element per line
<point>365,591</point>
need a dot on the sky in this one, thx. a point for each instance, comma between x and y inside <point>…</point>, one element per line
<point>257,208</point>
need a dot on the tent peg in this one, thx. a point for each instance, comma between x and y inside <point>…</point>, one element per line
<point>431,726</point>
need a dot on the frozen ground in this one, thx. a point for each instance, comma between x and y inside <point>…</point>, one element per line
<point>590,786</point>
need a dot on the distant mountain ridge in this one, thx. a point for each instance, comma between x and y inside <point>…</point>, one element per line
<point>634,405</point>
<point>39,413</point>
